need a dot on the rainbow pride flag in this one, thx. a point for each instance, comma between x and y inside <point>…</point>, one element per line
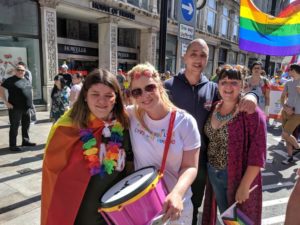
<point>234,216</point>
<point>265,34</point>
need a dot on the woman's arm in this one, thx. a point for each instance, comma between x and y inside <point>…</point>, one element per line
<point>242,193</point>
<point>174,201</point>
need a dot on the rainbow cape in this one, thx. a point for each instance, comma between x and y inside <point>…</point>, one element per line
<point>234,216</point>
<point>265,34</point>
<point>65,174</point>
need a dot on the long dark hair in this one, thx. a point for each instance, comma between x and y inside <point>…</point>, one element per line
<point>80,112</point>
<point>62,84</point>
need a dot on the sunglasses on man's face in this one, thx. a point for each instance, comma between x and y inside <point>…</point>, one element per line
<point>20,70</point>
<point>137,92</point>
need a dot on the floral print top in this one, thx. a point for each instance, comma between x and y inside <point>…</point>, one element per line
<point>60,103</point>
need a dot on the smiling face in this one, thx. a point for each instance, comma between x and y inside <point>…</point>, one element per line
<point>196,57</point>
<point>230,89</point>
<point>149,98</point>
<point>101,100</point>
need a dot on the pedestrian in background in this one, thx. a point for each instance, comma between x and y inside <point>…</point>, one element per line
<point>260,85</point>
<point>290,101</point>
<point>59,98</point>
<point>76,87</point>
<point>67,76</point>
<point>236,152</point>
<point>18,104</point>
<point>193,92</point>
<point>85,154</point>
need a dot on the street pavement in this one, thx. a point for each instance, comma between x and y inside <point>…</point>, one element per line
<point>20,176</point>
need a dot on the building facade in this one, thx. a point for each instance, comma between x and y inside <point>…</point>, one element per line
<point>112,34</point>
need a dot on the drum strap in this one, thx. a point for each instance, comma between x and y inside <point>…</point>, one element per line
<point>167,142</point>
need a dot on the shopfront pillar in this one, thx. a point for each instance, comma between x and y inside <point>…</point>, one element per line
<point>108,43</point>
<point>148,46</point>
<point>49,46</point>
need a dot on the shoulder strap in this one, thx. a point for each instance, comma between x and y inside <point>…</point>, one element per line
<point>168,141</point>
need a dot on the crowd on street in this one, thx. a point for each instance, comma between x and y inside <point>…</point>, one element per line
<point>206,140</point>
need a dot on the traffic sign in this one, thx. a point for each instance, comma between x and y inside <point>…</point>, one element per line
<point>187,9</point>
<point>187,12</point>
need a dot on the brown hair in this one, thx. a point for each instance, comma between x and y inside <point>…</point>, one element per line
<point>80,111</point>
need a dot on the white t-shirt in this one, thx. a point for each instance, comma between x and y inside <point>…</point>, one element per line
<point>75,89</point>
<point>148,147</point>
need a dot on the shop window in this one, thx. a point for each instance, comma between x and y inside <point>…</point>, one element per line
<point>211,16</point>
<point>127,37</point>
<point>235,28</point>
<point>222,56</point>
<point>19,17</point>
<point>134,2</point>
<point>78,30</point>
<point>61,27</point>
<point>16,49</point>
<point>224,22</point>
<point>210,62</point>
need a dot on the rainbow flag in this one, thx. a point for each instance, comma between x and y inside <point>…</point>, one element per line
<point>234,216</point>
<point>265,34</point>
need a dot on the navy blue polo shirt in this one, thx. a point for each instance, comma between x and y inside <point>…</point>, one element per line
<point>195,99</point>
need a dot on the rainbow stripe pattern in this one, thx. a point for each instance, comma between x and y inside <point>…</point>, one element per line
<point>234,216</point>
<point>265,34</point>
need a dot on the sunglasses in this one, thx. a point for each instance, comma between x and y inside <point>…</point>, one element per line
<point>231,83</point>
<point>20,70</point>
<point>137,92</point>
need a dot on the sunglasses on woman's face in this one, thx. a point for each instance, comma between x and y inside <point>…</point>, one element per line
<point>137,92</point>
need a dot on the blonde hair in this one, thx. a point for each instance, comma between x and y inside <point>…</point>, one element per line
<point>147,69</point>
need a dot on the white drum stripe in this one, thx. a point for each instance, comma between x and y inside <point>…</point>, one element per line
<point>279,185</point>
<point>275,202</point>
<point>273,220</point>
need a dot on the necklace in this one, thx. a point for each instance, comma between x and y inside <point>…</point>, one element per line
<point>110,156</point>
<point>226,117</point>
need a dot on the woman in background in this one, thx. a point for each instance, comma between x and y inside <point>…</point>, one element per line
<point>76,87</point>
<point>59,98</point>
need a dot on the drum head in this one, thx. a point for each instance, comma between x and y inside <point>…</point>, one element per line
<point>128,187</point>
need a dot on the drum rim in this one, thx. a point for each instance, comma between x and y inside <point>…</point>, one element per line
<point>130,195</point>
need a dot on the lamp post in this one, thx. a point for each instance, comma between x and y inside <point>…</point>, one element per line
<point>162,35</point>
<point>267,62</point>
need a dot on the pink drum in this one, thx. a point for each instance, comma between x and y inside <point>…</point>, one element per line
<point>135,200</point>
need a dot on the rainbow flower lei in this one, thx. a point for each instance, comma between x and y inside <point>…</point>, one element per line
<point>110,156</point>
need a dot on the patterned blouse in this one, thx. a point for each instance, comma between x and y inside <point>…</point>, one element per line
<point>60,103</point>
<point>217,145</point>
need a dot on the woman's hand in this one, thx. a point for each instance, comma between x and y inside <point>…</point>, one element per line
<point>242,194</point>
<point>288,110</point>
<point>172,207</point>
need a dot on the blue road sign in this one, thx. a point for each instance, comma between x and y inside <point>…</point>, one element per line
<point>187,9</point>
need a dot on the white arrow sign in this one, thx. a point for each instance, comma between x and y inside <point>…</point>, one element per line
<point>188,7</point>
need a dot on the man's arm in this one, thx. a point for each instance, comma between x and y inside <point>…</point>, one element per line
<point>3,97</point>
<point>248,103</point>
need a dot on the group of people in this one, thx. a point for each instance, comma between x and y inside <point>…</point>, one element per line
<point>217,146</point>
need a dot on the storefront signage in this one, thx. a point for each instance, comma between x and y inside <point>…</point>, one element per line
<point>186,32</point>
<point>77,50</point>
<point>127,55</point>
<point>112,10</point>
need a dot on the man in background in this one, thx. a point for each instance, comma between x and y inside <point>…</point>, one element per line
<point>67,77</point>
<point>19,103</point>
